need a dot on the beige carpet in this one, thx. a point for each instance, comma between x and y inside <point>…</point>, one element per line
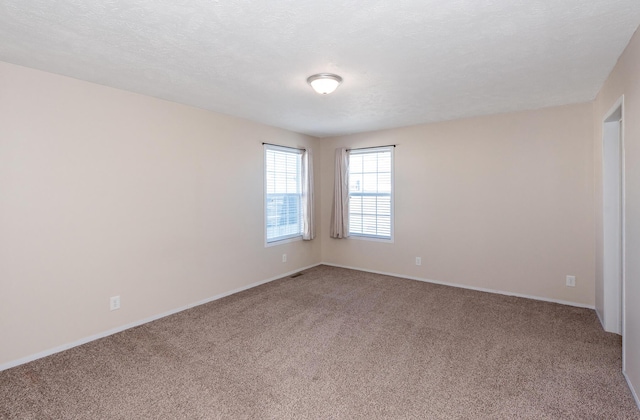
<point>338,344</point>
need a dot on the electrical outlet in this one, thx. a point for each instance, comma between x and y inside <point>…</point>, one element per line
<point>284,257</point>
<point>114,303</point>
<point>418,261</point>
<point>571,281</point>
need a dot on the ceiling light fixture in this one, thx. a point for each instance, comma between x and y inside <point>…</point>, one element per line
<point>324,83</point>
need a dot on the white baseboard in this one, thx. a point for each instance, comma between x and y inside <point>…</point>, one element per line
<point>462,286</point>
<point>112,331</point>
<point>601,319</point>
<point>633,391</point>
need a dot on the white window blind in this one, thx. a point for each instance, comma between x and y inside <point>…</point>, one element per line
<point>370,192</point>
<point>283,193</point>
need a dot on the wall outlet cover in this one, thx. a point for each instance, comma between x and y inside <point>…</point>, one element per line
<point>114,303</point>
<point>571,281</point>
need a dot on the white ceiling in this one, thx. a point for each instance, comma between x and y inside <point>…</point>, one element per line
<point>403,62</point>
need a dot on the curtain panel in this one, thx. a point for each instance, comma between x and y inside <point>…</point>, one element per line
<point>308,216</point>
<point>340,209</point>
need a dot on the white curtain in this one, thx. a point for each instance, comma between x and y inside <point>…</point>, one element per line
<point>340,209</point>
<point>308,225</point>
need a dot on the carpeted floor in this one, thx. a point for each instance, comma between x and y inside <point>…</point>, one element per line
<point>338,344</point>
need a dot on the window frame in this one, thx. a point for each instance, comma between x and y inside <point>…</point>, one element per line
<point>283,239</point>
<point>376,238</point>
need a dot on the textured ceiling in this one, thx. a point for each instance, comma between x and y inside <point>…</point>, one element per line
<point>403,62</point>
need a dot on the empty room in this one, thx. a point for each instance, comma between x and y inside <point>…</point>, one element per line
<point>323,210</point>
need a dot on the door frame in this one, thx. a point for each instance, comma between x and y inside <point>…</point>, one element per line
<point>618,106</point>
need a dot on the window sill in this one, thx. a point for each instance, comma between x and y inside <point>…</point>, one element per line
<point>370,238</point>
<point>283,241</point>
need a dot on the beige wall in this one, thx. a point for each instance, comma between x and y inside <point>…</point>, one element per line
<point>105,192</point>
<point>502,202</point>
<point>624,80</point>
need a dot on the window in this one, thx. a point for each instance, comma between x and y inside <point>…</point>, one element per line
<point>371,192</point>
<point>283,193</point>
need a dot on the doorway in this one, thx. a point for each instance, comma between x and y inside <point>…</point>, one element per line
<point>613,220</point>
